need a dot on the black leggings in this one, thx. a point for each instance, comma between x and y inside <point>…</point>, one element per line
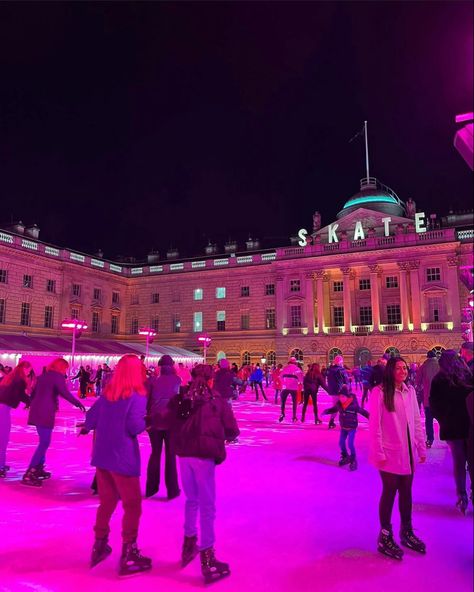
<point>314,398</point>
<point>391,484</point>
<point>284,396</point>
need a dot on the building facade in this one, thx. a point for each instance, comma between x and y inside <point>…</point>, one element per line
<point>381,278</point>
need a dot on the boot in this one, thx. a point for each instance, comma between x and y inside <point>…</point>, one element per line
<point>281,418</point>
<point>189,551</point>
<point>41,473</point>
<point>3,472</point>
<point>410,540</point>
<point>345,460</point>
<point>100,551</point>
<point>31,478</point>
<point>353,463</point>
<point>387,546</point>
<point>317,421</point>
<point>331,424</point>
<point>132,561</point>
<point>212,569</point>
<point>462,503</point>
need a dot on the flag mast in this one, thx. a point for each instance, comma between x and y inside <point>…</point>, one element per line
<point>366,151</point>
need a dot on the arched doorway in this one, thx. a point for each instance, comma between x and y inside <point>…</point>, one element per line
<point>245,358</point>
<point>271,358</point>
<point>297,353</point>
<point>438,350</point>
<point>332,353</point>
<point>393,351</point>
<point>362,356</point>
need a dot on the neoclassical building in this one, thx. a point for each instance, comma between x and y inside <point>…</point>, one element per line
<point>381,277</point>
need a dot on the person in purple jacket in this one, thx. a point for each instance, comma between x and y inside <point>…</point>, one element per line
<point>117,418</point>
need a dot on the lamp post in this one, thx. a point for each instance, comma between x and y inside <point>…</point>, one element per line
<point>206,342</point>
<point>77,327</point>
<point>149,334</point>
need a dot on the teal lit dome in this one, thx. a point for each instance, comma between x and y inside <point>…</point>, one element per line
<point>373,195</point>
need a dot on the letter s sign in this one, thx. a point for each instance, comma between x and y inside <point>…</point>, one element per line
<point>302,234</point>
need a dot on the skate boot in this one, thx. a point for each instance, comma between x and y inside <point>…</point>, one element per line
<point>462,503</point>
<point>212,569</point>
<point>189,551</point>
<point>345,460</point>
<point>410,540</point>
<point>281,418</point>
<point>429,443</point>
<point>317,421</point>
<point>331,424</point>
<point>387,546</point>
<point>132,561</point>
<point>41,473</point>
<point>100,551</point>
<point>3,472</point>
<point>295,420</point>
<point>31,478</point>
<point>353,463</point>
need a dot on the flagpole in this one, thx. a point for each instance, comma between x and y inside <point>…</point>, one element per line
<point>366,151</point>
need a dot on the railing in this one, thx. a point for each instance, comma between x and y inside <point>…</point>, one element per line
<point>437,326</point>
<point>390,328</point>
<point>362,329</point>
<point>335,330</point>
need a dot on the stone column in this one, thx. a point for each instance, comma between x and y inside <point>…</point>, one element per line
<point>347,274</point>
<point>375,273</point>
<point>319,275</point>
<point>453,303</point>
<point>309,303</point>
<point>416,295</point>
<point>280,306</point>
<point>404,266</point>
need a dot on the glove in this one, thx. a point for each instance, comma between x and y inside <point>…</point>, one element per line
<point>81,407</point>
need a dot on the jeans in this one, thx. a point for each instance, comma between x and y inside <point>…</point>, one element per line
<point>113,487</point>
<point>429,424</point>
<point>284,397</point>
<point>39,456</point>
<point>348,435</point>
<point>157,439</point>
<point>459,454</point>
<point>365,393</point>
<point>334,399</point>
<point>5,427</point>
<point>256,385</point>
<point>199,484</point>
<point>391,484</point>
<point>314,399</point>
<point>98,388</point>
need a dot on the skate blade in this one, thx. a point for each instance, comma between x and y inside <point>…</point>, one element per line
<point>390,555</point>
<point>211,578</point>
<point>100,559</point>
<point>188,561</point>
<point>128,574</point>
<point>421,551</point>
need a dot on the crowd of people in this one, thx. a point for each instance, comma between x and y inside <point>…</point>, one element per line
<point>189,413</point>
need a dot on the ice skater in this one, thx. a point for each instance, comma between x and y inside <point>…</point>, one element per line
<point>292,379</point>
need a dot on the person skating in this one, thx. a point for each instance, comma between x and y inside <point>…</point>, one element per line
<point>292,379</point>
<point>348,408</point>
<point>256,379</point>
<point>395,432</point>
<point>84,377</point>
<point>312,381</point>
<point>336,377</point>
<point>203,422</point>
<point>117,417</point>
<point>426,372</point>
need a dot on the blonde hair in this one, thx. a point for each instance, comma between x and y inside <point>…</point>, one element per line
<point>58,365</point>
<point>128,378</point>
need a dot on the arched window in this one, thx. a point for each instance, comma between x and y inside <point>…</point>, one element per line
<point>393,351</point>
<point>245,358</point>
<point>271,358</point>
<point>297,353</point>
<point>332,353</point>
<point>438,350</point>
<point>220,355</point>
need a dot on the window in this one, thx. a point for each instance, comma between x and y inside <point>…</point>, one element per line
<point>76,290</point>
<point>244,321</point>
<point>48,317</point>
<point>198,294</point>
<point>394,315</point>
<point>3,308</point>
<point>435,305</point>
<point>438,350</point>
<point>270,318</point>
<point>27,281</point>
<point>245,358</point>
<point>74,313</point>
<point>220,292</point>
<point>392,351</point>
<point>155,298</point>
<point>391,281</point>
<point>295,285</point>
<point>114,324</point>
<point>338,316</point>
<point>245,291</point>
<point>332,353</point>
<point>115,297</point>
<point>338,286</point>
<point>3,276</point>
<point>134,299</point>
<point>295,315</point>
<point>271,358</point>
<point>51,286</point>
<point>97,294</point>
<point>365,315</point>
<point>269,289</point>
<point>176,323</point>
<point>95,322</point>
<point>297,353</point>
<point>134,326</point>
<point>364,284</point>
<point>25,314</point>
<point>220,318</point>
<point>197,322</point>
<point>433,274</point>
<point>155,324</point>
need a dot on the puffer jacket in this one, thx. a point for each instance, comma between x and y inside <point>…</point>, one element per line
<point>160,392</point>
<point>336,377</point>
<point>448,405</point>
<point>347,416</point>
<point>224,382</point>
<point>291,377</point>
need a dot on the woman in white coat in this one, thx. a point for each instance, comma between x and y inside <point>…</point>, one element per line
<point>395,433</point>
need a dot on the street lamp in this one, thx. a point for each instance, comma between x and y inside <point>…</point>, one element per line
<point>206,342</point>
<point>77,327</point>
<point>149,334</point>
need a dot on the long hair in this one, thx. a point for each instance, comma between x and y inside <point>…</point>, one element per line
<point>388,383</point>
<point>128,378</point>
<point>19,372</point>
<point>454,368</point>
<point>314,371</point>
<point>199,387</point>
<point>58,365</point>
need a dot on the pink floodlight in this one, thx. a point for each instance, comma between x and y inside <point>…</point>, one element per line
<point>147,332</point>
<point>465,117</point>
<point>74,324</point>
<point>205,340</point>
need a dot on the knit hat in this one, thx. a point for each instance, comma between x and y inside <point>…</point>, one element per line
<point>166,360</point>
<point>293,360</point>
<point>224,363</point>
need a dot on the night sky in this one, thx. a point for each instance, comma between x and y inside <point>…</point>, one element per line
<point>132,126</point>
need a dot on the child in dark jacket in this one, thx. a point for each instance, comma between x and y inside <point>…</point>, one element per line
<point>348,408</point>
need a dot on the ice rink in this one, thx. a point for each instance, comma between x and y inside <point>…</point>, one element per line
<point>288,518</point>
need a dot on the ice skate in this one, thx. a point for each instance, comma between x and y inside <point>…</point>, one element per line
<point>212,569</point>
<point>353,463</point>
<point>295,420</point>
<point>189,551</point>
<point>132,561</point>
<point>387,546</point>
<point>281,418</point>
<point>317,421</point>
<point>3,472</point>
<point>410,540</point>
<point>429,443</point>
<point>31,478</point>
<point>331,424</point>
<point>462,503</point>
<point>100,551</point>
<point>345,460</point>
<point>41,473</point>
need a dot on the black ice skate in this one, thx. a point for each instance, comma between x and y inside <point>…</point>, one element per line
<point>410,540</point>
<point>132,561</point>
<point>331,425</point>
<point>353,464</point>
<point>31,478</point>
<point>281,418</point>
<point>41,473</point>
<point>387,546</point>
<point>3,471</point>
<point>462,503</point>
<point>100,551</point>
<point>212,569</point>
<point>345,460</point>
<point>189,551</point>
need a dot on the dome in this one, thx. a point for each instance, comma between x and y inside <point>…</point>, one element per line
<point>374,196</point>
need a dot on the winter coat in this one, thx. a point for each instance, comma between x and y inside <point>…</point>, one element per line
<point>389,450</point>
<point>45,399</point>
<point>116,425</point>
<point>291,377</point>
<point>347,416</point>
<point>160,392</point>
<point>336,377</point>
<point>448,405</point>
<point>257,375</point>
<point>366,374</point>
<point>311,385</point>
<point>12,394</point>
<point>376,376</point>
<point>204,432</point>
<point>426,372</point>
<point>224,380</point>
<point>276,379</point>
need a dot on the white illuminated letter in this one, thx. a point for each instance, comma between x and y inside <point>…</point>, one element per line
<point>302,233</point>
<point>386,222</point>
<point>420,222</point>
<point>359,231</point>
<point>332,233</point>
